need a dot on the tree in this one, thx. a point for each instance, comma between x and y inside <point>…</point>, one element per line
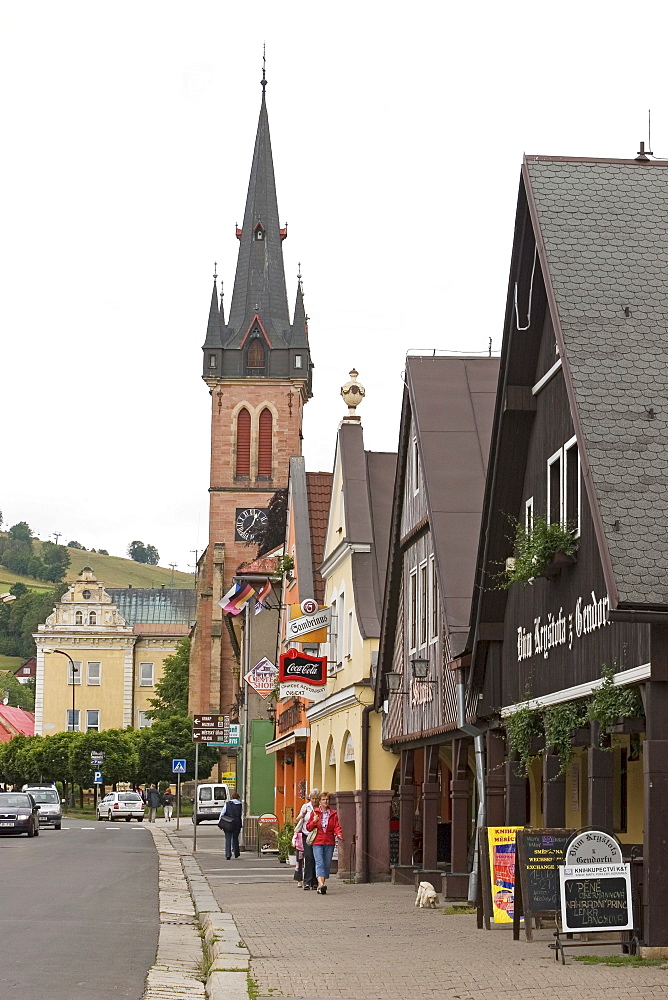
<point>76,545</point>
<point>20,619</point>
<point>21,532</point>
<point>169,739</point>
<point>120,756</point>
<point>273,533</point>
<point>18,695</point>
<point>102,552</point>
<point>172,688</point>
<point>56,559</point>
<point>152,555</point>
<point>137,551</point>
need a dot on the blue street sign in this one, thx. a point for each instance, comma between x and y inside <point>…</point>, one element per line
<point>97,780</point>
<point>178,767</point>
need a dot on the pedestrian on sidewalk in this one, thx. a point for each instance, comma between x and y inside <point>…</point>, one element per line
<point>298,844</point>
<point>326,822</point>
<point>168,805</point>
<point>310,880</point>
<point>152,801</point>
<point>232,810</point>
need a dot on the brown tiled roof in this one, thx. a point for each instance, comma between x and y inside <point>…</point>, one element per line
<point>318,492</point>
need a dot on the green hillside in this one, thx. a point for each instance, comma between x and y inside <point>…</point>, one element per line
<point>113,571</point>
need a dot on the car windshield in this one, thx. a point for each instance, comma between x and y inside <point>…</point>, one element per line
<point>11,801</point>
<point>43,795</point>
<point>129,797</point>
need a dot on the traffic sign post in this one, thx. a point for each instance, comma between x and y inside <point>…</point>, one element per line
<point>97,778</point>
<point>178,768</point>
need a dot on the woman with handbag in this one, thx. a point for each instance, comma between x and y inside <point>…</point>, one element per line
<point>310,880</point>
<point>324,823</point>
<point>230,822</point>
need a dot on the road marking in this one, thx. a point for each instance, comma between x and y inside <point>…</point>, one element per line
<point>87,828</point>
<point>116,828</point>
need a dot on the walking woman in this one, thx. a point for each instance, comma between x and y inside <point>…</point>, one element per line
<point>310,881</point>
<point>233,813</point>
<point>326,822</point>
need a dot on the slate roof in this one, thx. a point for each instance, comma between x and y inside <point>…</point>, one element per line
<point>604,226</point>
<point>140,605</point>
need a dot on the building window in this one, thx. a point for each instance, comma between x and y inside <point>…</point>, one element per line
<point>555,499</point>
<point>243,443</point>
<point>333,639</point>
<point>528,514</point>
<point>572,486</point>
<point>416,466</point>
<point>256,354</point>
<point>340,637</point>
<point>78,618</point>
<point>146,675</point>
<point>74,674</point>
<point>264,450</point>
<point>434,598</point>
<point>93,670</point>
<point>142,721</point>
<point>92,720</point>
<point>73,720</point>
<point>424,604</point>
<point>349,635</point>
<point>212,361</point>
<point>92,618</point>
<point>412,612</point>
<point>298,360</point>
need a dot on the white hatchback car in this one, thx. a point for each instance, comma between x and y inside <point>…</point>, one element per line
<point>121,805</point>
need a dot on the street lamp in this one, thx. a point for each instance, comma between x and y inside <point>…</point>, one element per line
<point>75,671</point>
<point>420,668</point>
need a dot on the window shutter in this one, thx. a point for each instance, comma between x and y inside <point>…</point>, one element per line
<point>264,456</point>
<point>243,443</point>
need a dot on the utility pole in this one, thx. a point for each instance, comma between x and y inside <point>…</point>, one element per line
<point>173,567</point>
<point>196,552</point>
<point>56,535</point>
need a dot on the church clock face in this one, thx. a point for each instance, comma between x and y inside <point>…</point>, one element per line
<point>249,522</point>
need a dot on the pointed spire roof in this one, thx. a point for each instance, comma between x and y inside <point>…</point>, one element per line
<point>299,336</point>
<point>213,338</point>
<point>259,284</point>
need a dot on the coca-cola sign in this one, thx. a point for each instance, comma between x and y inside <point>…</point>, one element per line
<point>297,666</point>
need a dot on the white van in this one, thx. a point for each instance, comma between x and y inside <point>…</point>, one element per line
<point>211,797</point>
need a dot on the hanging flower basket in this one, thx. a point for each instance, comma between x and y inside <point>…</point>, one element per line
<point>559,561</point>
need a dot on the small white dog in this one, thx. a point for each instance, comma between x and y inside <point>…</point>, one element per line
<point>426,895</point>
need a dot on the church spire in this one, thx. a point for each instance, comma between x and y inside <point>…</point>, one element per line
<point>259,284</point>
<point>214,324</point>
<point>299,336</point>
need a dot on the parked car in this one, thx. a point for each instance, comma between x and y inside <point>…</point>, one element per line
<point>19,813</point>
<point>49,802</point>
<point>121,805</point>
<point>211,797</point>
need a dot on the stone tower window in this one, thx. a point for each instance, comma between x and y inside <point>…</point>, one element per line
<point>264,451</point>
<point>243,443</point>
<point>255,354</point>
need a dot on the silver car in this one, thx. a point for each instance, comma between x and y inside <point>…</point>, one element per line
<point>121,805</point>
<point>49,802</point>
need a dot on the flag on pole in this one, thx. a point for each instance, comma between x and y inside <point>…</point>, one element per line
<point>262,597</point>
<point>236,599</point>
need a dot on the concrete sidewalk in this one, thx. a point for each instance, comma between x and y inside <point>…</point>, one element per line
<point>369,942</point>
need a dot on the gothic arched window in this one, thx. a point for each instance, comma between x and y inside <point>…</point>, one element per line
<point>243,443</point>
<point>256,354</point>
<point>264,451</point>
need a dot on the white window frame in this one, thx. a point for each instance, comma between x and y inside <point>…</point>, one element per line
<point>571,444</point>
<point>349,635</point>
<point>142,682</point>
<point>433,599</point>
<point>413,611</point>
<point>89,727</point>
<point>552,460</point>
<point>91,681</point>
<point>333,638</point>
<point>92,617</point>
<point>76,728</point>
<point>74,678</point>
<point>340,632</point>
<point>423,605</point>
<point>142,721</point>
<point>528,514</point>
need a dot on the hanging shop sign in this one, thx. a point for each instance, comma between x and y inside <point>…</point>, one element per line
<point>308,625</point>
<point>563,629</point>
<point>593,847</point>
<point>262,678</point>
<point>302,676</point>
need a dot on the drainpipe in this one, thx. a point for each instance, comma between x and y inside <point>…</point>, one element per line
<point>479,747</point>
<point>366,712</point>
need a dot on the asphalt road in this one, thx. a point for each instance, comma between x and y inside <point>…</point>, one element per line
<point>78,912</point>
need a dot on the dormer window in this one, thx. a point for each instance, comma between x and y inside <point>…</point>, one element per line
<point>212,361</point>
<point>298,360</point>
<point>259,232</point>
<point>255,357</point>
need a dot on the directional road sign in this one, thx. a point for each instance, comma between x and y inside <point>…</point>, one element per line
<point>178,766</point>
<point>211,728</point>
<point>97,779</point>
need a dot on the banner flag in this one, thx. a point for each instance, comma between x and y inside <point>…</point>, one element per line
<point>236,599</point>
<point>262,597</point>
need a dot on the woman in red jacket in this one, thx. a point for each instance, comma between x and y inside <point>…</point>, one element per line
<point>326,822</point>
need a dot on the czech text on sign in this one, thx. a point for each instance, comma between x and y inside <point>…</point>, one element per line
<point>233,738</point>
<point>596,898</point>
<point>302,626</point>
<point>211,728</point>
<point>501,841</point>
<point>302,676</point>
<point>562,628</point>
<point>262,677</point>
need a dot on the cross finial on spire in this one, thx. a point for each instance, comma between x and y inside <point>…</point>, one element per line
<point>299,271</point>
<point>215,270</point>
<point>263,81</point>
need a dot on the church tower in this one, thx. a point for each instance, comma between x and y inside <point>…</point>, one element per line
<point>257,366</point>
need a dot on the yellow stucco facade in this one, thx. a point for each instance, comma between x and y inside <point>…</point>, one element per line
<point>115,664</point>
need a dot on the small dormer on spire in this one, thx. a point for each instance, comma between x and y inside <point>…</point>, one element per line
<point>353,392</point>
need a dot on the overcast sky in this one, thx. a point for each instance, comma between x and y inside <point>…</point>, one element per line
<point>397,131</point>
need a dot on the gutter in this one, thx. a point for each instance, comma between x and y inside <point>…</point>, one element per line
<point>366,712</point>
<point>479,746</point>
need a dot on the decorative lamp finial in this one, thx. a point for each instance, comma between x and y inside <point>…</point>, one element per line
<point>353,393</point>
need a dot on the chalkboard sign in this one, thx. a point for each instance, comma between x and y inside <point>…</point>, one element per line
<point>596,898</point>
<point>538,857</point>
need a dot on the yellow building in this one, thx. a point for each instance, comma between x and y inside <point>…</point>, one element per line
<point>101,652</point>
<point>347,757</point>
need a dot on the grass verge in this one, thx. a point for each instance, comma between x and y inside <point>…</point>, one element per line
<point>634,961</point>
<point>253,987</point>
